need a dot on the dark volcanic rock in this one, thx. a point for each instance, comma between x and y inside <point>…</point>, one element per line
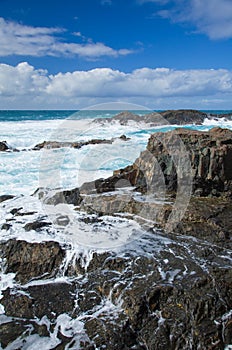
<point>66,196</point>
<point>5,147</point>
<point>51,145</point>
<point>176,117</point>
<point>184,116</point>
<point>5,197</point>
<point>49,300</point>
<point>59,144</point>
<point>10,331</point>
<point>31,260</point>
<point>209,153</point>
<point>36,225</point>
<point>163,290</point>
<point>122,118</point>
<point>208,219</point>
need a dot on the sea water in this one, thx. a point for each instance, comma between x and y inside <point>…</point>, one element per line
<point>20,171</point>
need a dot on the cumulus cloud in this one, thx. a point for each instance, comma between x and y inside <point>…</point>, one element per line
<point>210,17</point>
<point>23,86</point>
<point>213,18</point>
<point>159,82</point>
<point>18,39</point>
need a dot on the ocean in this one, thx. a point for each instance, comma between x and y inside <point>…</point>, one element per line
<point>20,171</point>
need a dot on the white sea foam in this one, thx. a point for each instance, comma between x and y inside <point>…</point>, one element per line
<point>21,172</point>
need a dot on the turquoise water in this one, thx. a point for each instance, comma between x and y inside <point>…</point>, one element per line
<point>21,115</point>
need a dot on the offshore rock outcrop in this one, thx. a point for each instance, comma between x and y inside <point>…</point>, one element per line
<point>175,117</point>
<point>59,144</point>
<point>4,147</point>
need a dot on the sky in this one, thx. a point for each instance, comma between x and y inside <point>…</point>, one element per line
<point>160,54</point>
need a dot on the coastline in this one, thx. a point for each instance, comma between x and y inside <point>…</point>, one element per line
<point>145,278</point>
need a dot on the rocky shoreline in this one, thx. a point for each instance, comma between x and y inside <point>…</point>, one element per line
<point>166,289</point>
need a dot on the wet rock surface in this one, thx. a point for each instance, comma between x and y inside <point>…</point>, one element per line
<point>162,290</point>
<point>58,144</point>
<point>5,147</point>
<point>177,296</point>
<point>207,155</point>
<point>31,260</point>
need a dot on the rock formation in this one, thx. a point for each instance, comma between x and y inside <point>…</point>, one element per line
<point>176,117</point>
<point>58,144</point>
<point>165,290</point>
<point>4,147</point>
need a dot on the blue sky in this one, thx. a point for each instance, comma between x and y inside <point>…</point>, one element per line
<point>158,53</point>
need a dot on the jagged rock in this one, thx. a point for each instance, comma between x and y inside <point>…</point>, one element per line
<point>112,335</point>
<point>5,197</point>
<point>59,144</point>
<point>123,118</point>
<point>37,301</point>
<point>30,260</point>
<point>10,331</point>
<point>6,226</point>
<point>51,145</point>
<point>66,196</point>
<point>176,117</point>
<point>175,292</point>
<point>210,155</point>
<point>36,225</point>
<point>209,219</point>
<point>184,116</point>
<point>5,147</point>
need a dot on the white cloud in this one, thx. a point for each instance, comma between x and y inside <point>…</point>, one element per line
<point>210,17</point>
<point>23,86</point>
<point>18,39</point>
<point>213,18</point>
